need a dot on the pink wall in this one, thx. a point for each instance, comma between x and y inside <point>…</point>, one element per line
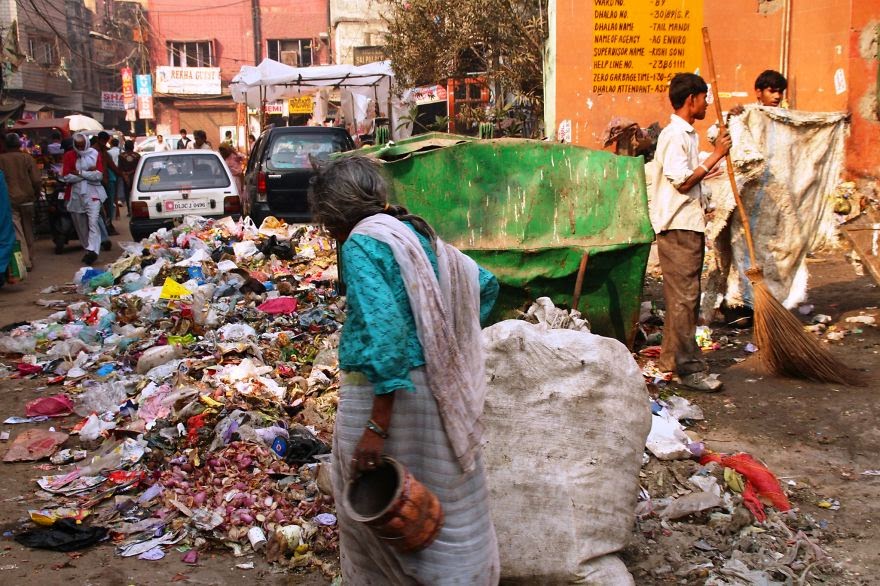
<point>231,27</point>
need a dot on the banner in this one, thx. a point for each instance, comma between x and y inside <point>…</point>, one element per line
<point>112,101</point>
<point>145,107</point>
<point>300,105</point>
<point>128,88</point>
<point>144,85</point>
<point>204,81</point>
<point>275,109</point>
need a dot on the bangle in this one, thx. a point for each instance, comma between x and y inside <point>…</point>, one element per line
<point>704,168</point>
<point>377,429</point>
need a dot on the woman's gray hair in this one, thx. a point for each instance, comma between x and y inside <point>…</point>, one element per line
<point>348,189</point>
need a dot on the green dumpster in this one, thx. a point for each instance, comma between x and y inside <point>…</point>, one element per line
<point>527,210</point>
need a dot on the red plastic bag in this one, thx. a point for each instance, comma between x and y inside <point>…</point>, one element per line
<point>25,369</point>
<point>55,406</point>
<point>279,305</point>
<point>760,483</point>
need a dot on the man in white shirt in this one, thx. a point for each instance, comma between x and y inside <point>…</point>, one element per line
<point>161,144</point>
<point>678,216</point>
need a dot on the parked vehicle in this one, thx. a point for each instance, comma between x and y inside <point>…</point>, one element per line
<point>148,144</point>
<point>278,172</point>
<point>173,184</point>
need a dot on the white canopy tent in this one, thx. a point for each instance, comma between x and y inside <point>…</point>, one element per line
<point>271,81</point>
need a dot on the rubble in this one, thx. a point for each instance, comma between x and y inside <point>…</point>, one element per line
<point>701,516</point>
<point>201,368</point>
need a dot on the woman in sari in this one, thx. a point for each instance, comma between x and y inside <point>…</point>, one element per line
<point>412,383</point>
<point>7,230</point>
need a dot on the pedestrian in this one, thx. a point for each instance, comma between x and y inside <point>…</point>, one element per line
<point>24,183</point>
<point>252,140</point>
<point>770,89</point>
<point>227,140</point>
<point>677,211</point>
<point>111,177</point>
<point>185,142</point>
<point>87,197</point>
<point>70,176</point>
<point>201,141</point>
<point>235,162</point>
<point>412,386</point>
<point>161,145</point>
<point>54,148</point>
<point>128,162</point>
<point>7,230</point>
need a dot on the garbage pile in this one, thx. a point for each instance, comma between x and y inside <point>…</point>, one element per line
<point>201,368</point>
<point>719,519</point>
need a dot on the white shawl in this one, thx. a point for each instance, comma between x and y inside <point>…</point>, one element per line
<point>447,317</point>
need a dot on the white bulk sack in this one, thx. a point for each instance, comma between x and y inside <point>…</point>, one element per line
<point>566,420</point>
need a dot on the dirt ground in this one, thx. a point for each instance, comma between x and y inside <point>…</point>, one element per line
<point>817,438</point>
<point>820,437</point>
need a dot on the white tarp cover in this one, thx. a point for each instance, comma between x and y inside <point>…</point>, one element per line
<point>359,85</point>
<point>283,81</point>
<point>787,163</point>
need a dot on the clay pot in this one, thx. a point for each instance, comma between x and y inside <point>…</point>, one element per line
<point>397,507</point>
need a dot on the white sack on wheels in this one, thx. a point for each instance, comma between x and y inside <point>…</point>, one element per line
<point>566,420</point>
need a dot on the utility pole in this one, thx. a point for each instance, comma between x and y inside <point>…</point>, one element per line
<point>258,32</point>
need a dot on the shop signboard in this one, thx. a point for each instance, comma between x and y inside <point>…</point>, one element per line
<point>189,81</point>
<point>301,105</point>
<point>113,101</point>
<point>128,88</point>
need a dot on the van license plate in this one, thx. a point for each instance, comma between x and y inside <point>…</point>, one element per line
<point>187,205</point>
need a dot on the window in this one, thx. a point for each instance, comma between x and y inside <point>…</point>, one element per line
<point>290,151</point>
<point>295,52</point>
<point>190,53</point>
<point>182,172</point>
<point>41,50</point>
<point>48,54</point>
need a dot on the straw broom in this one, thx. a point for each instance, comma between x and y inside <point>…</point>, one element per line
<point>784,347</point>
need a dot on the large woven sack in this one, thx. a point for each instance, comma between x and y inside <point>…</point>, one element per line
<point>566,420</point>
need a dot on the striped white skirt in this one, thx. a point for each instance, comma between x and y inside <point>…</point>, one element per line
<point>466,551</point>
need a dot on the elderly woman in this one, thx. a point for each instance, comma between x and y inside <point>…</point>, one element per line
<point>412,385</point>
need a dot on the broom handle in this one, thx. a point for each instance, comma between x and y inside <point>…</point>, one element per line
<point>722,126</point>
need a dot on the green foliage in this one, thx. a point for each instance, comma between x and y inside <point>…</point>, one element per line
<point>502,40</point>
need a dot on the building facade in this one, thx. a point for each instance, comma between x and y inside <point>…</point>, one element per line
<point>197,47</point>
<point>826,48</point>
<point>54,72</point>
<point>358,31</point>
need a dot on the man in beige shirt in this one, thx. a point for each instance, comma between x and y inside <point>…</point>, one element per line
<point>24,183</point>
<point>678,216</point>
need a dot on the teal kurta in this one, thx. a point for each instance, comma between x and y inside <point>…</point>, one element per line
<point>379,338</point>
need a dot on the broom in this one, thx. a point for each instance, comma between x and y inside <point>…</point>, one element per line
<point>784,347</point>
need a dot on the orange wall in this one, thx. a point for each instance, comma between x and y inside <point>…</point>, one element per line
<point>863,153</point>
<point>746,39</point>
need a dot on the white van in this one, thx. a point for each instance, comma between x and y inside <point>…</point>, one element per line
<point>173,184</point>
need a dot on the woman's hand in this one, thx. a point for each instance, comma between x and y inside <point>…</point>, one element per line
<point>368,453</point>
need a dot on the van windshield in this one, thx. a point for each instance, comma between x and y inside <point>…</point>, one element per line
<point>291,151</point>
<point>178,171</point>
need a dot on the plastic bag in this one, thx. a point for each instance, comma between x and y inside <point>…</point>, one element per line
<point>65,535</point>
<point>21,344</point>
<point>94,428</point>
<point>157,356</point>
<point>100,398</point>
